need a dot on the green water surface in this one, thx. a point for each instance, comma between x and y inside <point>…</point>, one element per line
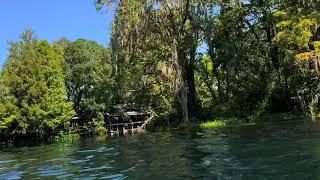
<point>274,152</point>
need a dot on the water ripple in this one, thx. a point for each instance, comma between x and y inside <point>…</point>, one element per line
<point>12,175</point>
<point>7,161</point>
<point>88,169</point>
<point>114,177</point>
<point>51,171</point>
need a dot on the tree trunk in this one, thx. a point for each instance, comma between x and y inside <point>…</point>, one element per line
<point>186,95</point>
<point>193,102</point>
<point>181,89</point>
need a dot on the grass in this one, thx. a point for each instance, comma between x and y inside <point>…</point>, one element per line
<point>212,124</point>
<point>223,122</point>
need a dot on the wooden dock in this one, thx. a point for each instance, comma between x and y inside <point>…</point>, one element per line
<point>127,122</point>
<point>116,123</point>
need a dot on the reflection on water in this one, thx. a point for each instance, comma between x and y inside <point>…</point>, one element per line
<point>274,153</point>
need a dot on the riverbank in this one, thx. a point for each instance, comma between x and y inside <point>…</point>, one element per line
<point>267,119</point>
<point>206,124</point>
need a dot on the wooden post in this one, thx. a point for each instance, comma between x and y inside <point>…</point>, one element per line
<point>131,126</point>
<point>110,127</point>
<point>124,130</point>
<point>117,129</point>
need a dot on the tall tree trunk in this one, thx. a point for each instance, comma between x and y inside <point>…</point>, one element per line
<point>186,95</point>
<point>193,102</point>
<point>181,89</point>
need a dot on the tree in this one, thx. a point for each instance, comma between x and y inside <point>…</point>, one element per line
<point>298,35</point>
<point>139,21</point>
<point>88,76</point>
<point>35,99</point>
<point>253,47</point>
<point>8,110</point>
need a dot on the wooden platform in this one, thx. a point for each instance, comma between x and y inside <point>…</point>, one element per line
<point>127,122</point>
<point>116,123</point>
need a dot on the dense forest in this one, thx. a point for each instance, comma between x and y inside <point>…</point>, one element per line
<point>178,58</point>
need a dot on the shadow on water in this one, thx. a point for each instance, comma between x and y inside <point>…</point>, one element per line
<point>287,152</point>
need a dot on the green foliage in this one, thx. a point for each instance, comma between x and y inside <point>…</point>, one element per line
<point>225,110</point>
<point>63,137</point>
<point>8,110</point>
<point>99,125</point>
<point>222,123</point>
<point>88,76</point>
<point>296,32</point>
<point>100,129</point>
<point>238,59</point>
<point>298,36</point>
<point>205,80</point>
<point>212,124</point>
<point>33,96</point>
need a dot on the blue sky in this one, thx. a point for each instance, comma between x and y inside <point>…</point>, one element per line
<point>51,20</point>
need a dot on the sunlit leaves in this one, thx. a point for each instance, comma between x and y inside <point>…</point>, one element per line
<point>316,45</point>
<point>34,97</point>
<point>306,56</point>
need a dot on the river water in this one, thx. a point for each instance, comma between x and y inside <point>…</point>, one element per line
<point>282,152</point>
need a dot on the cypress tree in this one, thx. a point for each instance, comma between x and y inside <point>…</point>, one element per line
<point>35,97</point>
